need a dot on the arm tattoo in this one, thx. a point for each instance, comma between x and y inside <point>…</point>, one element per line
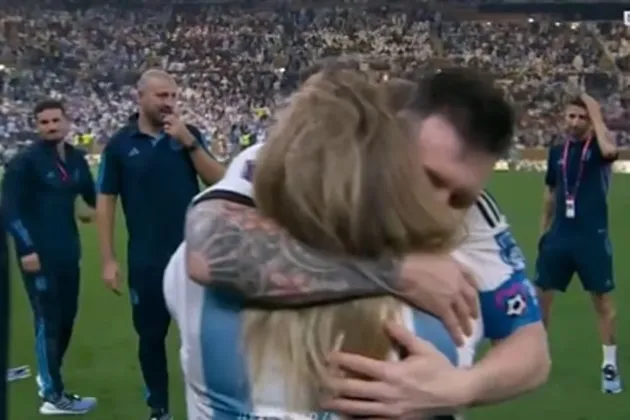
<point>233,246</point>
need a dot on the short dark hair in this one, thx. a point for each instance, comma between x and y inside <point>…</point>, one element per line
<point>331,63</point>
<point>472,103</point>
<point>48,104</point>
<point>576,101</point>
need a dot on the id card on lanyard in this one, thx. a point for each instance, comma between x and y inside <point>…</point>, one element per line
<point>569,195</point>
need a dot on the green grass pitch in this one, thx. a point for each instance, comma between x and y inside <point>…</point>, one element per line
<point>102,357</point>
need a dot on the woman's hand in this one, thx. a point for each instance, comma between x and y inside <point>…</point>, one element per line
<point>422,385</point>
<point>440,285</point>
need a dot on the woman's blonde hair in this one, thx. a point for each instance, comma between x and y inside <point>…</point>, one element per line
<point>341,174</point>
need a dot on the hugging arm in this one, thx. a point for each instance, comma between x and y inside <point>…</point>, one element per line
<point>231,245</point>
<point>512,367</point>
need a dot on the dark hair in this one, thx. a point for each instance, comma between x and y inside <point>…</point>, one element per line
<point>48,104</point>
<point>330,64</point>
<point>400,93</point>
<point>576,101</point>
<point>472,103</point>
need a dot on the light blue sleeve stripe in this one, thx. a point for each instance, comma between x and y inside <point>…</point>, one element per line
<point>21,233</point>
<point>224,362</point>
<point>430,328</point>
<point>41,355</point>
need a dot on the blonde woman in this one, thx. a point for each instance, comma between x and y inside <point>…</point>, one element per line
<point>341,173</point>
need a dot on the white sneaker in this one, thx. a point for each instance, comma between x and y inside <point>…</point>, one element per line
<point>611,380</point>
<point>68,405</point>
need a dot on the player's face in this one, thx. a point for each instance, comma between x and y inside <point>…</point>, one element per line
<point>52,125</point>
<point>158,99</point>
<point>577,121</point>
<point>458,175</point>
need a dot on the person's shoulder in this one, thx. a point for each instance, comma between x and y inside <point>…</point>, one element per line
<point>26,154</point>
<point>244,159</point>
<point>485,216</point>
<point>75,150</point>
<point>122,134</point>
<point>117,139</point>
<point>22,159</point>
<point>555,146</point>
<point>239,175</point>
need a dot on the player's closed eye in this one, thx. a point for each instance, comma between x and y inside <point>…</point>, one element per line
<point>575,116</point>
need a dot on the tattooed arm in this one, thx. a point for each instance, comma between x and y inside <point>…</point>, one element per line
<point>231,245</point>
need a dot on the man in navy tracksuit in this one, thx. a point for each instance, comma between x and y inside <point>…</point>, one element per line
<point>152,163</point>
<point>40,188</point>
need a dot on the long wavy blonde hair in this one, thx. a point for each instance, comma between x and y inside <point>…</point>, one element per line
<point>342,175</point>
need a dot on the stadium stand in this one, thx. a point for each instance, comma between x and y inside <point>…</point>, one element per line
<point>235,61</point>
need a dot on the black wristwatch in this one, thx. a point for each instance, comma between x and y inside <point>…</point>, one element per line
<point>191,147</point>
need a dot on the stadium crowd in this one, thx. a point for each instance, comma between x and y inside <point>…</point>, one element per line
<point>235,64</point>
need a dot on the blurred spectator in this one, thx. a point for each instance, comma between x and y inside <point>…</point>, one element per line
<point>232,62</point>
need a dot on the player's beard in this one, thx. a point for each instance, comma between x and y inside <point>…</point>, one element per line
<point>155,119</point>
<point>577,133</point>
<point>157,116</point>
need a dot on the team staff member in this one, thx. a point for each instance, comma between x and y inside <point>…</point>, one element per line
<point>152,163</point>
<point>39,194</point>
<point>575,223</point>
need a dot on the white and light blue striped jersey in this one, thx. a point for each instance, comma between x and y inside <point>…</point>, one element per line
<point>213,358</point>
<point>507,298</point>
<point>210,320</point>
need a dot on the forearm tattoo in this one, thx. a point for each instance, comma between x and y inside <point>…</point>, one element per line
<point>238,248</point>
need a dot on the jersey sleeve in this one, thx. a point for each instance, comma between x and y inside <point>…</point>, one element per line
<point>506,296</point>
<point>508,307</point>
<point>550,175</point>
<point>109,173</point>
<point>239,176</point>
<point>431,329</point>
<point>14,192</point>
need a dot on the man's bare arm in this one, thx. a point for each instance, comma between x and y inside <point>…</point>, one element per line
<point>512,367</point>
<point>231,245</point>
<point>549,202</point>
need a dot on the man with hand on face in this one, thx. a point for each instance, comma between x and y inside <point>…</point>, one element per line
<point>153,163</point>
<point>39,192</point>
<point>575,223</point>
